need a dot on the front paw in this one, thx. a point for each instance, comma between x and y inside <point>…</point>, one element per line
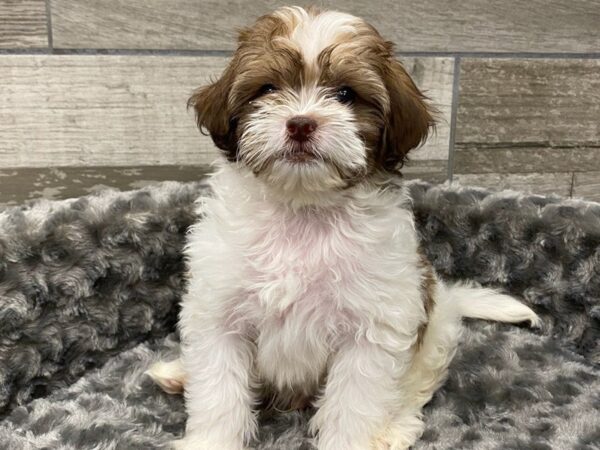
<point>179,444</point>
<point>388,443</point>
<point>401,434</point>
<point>192,443</point>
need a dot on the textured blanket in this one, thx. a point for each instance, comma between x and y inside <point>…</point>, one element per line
<point>89,292</point>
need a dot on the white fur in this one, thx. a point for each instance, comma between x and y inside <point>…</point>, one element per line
<point>312,34</point>
<point>283,295</point>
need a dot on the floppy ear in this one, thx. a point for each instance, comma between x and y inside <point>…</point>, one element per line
<point>408,120</point>
<point>213,115</point>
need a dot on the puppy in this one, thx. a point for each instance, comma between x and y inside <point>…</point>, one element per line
<point>307,284</point>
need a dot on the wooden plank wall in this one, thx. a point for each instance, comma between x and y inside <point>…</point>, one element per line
<point>93,92</point>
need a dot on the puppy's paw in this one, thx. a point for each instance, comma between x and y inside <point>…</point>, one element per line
<point>400,434</point>
<point>170,376</point>
<point>180,444</point>
<point>390,442</point>
<point>189,443</point>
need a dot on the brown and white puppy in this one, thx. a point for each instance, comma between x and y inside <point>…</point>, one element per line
<point>307,283</point>
<point>309,86</point>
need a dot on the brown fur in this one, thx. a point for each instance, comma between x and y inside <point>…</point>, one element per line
<point>392,113</point>
<point>428,285</point>
<point>220,105</point>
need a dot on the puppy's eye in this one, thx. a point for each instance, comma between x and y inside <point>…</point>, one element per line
<point>266,89</point>
<point>345,94</point>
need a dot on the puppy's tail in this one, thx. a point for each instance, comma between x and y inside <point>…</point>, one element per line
<point>488,304</point>
<point>444,329</point>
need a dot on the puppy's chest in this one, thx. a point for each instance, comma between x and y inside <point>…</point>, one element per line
<point>301,266</point>
<point>299,272</point>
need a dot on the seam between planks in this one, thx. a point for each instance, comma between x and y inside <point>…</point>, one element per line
<point>453,118</point>
<point>49,25</point>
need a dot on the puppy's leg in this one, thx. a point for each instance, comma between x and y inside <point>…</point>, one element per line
<point>426,374</point>
<point>170,376</point>
<point>429,368</point>
<point>218,395</point>
<point>358,396</point>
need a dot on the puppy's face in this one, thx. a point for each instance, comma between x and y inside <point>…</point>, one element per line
<point>313,102</point>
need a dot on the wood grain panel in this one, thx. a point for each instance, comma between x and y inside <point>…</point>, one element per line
<point>21,185</point>
<point>587,186</point>
<point>434,25</point>
<point>24,184</point>
<point>535,183</point>
<point>523,159</point>
<point>528,114</point>
<point>23,24</point>
<point>122,110</point>
<point>101,110</point>
<point>434,171</point>
<point>555,102</point>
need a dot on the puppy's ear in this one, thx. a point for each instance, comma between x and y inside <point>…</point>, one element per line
<point>212,113</point>
<point>408,120</point>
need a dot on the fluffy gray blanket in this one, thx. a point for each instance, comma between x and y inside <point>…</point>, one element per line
<point>89,290</point>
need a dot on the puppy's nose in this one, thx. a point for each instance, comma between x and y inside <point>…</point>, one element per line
<point>300,127</point>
